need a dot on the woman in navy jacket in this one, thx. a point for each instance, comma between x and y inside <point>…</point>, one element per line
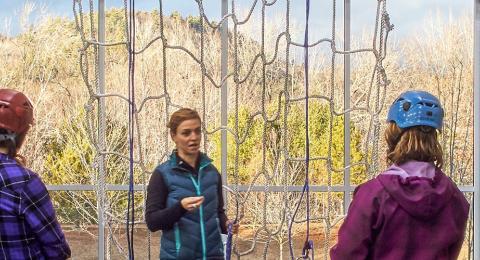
<point>184,196</point>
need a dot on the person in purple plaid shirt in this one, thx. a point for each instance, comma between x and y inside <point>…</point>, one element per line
<point>412,210</point>
<point>28,226</point>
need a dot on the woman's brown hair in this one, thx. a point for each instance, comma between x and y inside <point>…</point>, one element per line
<point>179,116</point>
<point>418,143</point>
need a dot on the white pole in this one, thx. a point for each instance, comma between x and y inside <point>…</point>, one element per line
<point>476,135</point>
<point>101,131</point>
<point>346,101</point>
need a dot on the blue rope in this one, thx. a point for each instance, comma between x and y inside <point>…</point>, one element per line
<point>308,243</point>
<point>228,249</point>
<point>131,129</point>
<point>308,246</point>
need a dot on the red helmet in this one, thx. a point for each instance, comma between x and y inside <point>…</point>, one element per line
<point>16,111</point>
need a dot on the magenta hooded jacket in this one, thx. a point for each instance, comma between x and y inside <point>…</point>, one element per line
<point>411,211</point>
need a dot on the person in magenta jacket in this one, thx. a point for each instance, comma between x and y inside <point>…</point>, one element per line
<point>412,210</point>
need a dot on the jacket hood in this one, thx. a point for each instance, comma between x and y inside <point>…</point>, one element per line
<point>420,188</point>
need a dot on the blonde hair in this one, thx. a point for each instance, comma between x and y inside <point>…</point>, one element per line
<point>181,115</point>
<point>414,143</point>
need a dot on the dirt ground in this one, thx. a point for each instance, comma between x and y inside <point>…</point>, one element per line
<point>85,246</point>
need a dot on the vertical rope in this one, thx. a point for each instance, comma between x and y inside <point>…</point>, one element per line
<point>308,244</point>
<point>330,129</point>
<point>131,129</point>
<point>236,68</point>
<point>264,133</point>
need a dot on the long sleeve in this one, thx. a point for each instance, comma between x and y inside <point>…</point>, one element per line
<point>461,220</point>
<point>40,216</point>
<point>222,217</point>
<point>157,215</point>
<point>355,236</point>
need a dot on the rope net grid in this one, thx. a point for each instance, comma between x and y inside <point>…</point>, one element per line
<point>286,118</point>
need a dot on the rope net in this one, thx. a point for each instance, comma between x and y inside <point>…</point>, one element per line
<point>286,169</point>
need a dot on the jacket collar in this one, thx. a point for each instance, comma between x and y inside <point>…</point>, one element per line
<point>176,161</point>
<point>5,157</point>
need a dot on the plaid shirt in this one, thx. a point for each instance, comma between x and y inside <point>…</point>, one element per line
<point>28,226</point>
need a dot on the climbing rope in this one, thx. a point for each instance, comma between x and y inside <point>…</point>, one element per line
<point>228,247</point>
<point>308,245</point>
<point>130,221</point>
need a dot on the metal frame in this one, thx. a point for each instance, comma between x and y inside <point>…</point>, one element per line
<point>101,131</point>
<point>346,103</point>
<point>239,188</point>
<point>101,188</point>
<point>476,135</point>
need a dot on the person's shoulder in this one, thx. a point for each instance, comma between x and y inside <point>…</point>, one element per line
<point>163,167</point>
<point>14,175</point>
<point>213,168</point>
<point>207,163</point>
<point>371,184</point>
<point>458,197</point>
<point>371,187</point>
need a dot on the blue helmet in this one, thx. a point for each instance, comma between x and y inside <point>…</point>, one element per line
<point>416,108</point>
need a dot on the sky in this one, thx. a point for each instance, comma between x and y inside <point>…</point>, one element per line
<point>407,15</point>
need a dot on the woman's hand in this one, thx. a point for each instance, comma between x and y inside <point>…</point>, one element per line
<point>235,226</point>
<point>192,203</point>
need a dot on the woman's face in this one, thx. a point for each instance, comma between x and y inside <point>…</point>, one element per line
<point>188,137</point>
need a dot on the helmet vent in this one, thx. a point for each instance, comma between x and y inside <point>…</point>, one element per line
<point>428,104</point>
<point>4,104</point>
<point>406,106</point>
